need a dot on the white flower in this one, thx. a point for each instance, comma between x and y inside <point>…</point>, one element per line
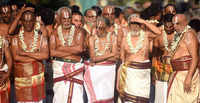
<point>139,43</point>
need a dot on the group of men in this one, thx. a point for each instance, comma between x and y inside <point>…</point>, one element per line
<point>25,42</point>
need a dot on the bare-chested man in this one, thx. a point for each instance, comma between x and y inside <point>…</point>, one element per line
<point>5,68</point>
<point>66,45</point>
<point>134,74</point>
<point>160,51</point>
<point>184,84</point>
<point>29,48</point>
<point>100,72</point>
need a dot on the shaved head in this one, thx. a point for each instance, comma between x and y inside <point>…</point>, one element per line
<point>180,22</point>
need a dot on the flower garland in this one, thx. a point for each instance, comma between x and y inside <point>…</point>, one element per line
<point>116,27</point>
<point>175,41</point>
<point>177,38</point>
<point>97,42</point>
<point>153,21</point>
<point>139,43</point>
<point>69,38</point>
<point>1,42</point>
<point>35,40</point>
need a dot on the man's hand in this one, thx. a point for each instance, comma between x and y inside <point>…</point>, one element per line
<point>187,84</point>
<point>139,20</point>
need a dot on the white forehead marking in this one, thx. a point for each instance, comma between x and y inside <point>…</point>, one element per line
<point>175,20</point>
<point>109,10</point>
<point>66,15</point>
<point>94,13</point>
<point>171,9</point>
<point>5,9</point>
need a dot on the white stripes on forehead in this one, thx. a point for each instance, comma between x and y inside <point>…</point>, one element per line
<point>175,20</point>
<point>5,9</point>
<point>133,15</point>
<point>64,8</point>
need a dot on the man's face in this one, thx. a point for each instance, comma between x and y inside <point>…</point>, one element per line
<point>6,14</point>
<point>178,25</point>
<point>101,26</point>
<point>169,27</point>
<point>132,22</point>
<point>170,10</point>
<point>109,13</point>
<point>77,20</point>
<point>91,16</point>
<point>28,21</point>
<point>65,19</point>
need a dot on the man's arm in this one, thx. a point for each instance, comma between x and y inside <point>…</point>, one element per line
<point>53,51</point>
<point>152,27</point>
<point>191,42</point>
<point>14,24</point>
<point>8,56</point>
<point>95,58</point>
<point>122,50</point>
<point>15,51</point>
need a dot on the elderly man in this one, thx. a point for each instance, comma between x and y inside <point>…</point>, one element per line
<point>184,83</point>
<point>134,75</point>
<point>66,45</point>
<point>29,48</point>
<point>100,72</point>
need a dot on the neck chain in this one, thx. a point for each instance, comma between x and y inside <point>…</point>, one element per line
<point>139,43</point>
<point>35,40</point>
<point>97,42</point>
<point>69,38</point>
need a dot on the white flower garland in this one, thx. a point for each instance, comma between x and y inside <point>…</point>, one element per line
<point>97,42</point>
<point>35,40</point>
<point>139,43</point>
<point>116,27</point>
<point>69,38</point>
<point>1,42</point>
<point>153,21</point>
<point>177,38</point>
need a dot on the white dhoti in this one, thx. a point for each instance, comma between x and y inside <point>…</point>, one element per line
<point>68,82</point>
<point>99,82</point>
<point>134,84</point>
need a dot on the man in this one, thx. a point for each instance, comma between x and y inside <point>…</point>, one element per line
<point>14,9</point>
<point>5,11</point>
<point>5,69</point>
<point>77,19</point>
<point>161,46</point>
<point>134,74</point>
<point>66,45</point>
<point>29,48</point>
<point>90,18</point>
<point>184,83</point>
<point>100,72</point>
